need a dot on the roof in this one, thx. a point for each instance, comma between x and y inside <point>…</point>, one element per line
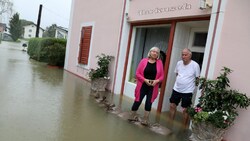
<point>34,25</point>
<point>3,25</point>
<point>62,28</point>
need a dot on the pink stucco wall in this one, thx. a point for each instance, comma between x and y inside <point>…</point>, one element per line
<point>141,10</point>
<point>233,52</point>
<point>105,16</point>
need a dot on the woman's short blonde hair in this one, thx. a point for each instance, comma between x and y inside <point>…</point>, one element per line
<point>155,49</point>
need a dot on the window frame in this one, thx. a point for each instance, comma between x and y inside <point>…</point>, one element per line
<point>199,49</point>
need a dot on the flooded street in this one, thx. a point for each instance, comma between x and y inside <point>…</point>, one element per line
<point>41,103</point>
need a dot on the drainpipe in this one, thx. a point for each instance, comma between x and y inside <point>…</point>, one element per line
<point>119,45</point>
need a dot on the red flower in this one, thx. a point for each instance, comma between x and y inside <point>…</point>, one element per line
<point>198,109</point>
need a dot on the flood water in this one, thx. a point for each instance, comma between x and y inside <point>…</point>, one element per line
<point>41,103</point>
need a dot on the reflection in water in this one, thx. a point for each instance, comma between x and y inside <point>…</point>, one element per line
<point>46,73</point>
<point>47,104</point>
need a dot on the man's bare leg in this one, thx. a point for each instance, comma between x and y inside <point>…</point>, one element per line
<point>172,112</point>
<point>185,118</point>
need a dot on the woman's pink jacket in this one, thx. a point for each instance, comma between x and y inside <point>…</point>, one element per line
<point>140,78</point>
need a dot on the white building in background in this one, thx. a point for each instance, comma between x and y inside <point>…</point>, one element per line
<point>61,32</point>
<point>29,31</point>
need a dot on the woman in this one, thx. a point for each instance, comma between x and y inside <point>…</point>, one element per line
<point>149,74</point>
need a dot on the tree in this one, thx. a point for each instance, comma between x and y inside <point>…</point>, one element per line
<point>25,22</point>
<point>15,27</point>
<point>50,31</point>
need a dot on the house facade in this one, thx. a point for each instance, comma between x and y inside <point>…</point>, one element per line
<point>2,27</point>
<point>101,31</point>
<point>2,30</point>
<point>216,31</point>
<point>61,32</point>
<point>29,31</point>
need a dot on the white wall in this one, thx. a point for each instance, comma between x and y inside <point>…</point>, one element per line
<point>30,31</point>
<point>60,33</point>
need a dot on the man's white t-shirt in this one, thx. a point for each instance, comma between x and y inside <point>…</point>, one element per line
<point>186,75</point>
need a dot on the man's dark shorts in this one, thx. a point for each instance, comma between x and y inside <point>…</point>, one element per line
<point>185,98</point>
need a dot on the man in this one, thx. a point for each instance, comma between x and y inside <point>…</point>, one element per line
<point>187,71</point>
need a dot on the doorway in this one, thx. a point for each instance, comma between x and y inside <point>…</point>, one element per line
<point>143,38</point>
<point>192,35</point>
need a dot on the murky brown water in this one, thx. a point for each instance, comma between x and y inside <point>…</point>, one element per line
<point>40,103</point>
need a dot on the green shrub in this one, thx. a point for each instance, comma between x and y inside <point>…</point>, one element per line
<point>33,46</point>
<point>39,49</point>
<point>56,54</point>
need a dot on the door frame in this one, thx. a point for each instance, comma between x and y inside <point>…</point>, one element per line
<point>168,53</point>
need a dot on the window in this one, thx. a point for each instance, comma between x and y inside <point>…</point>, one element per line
<point>146,38</point>
<point>85,45</point>
<point>197,43</point>
<point>30,30</point>
<point>200,39</point>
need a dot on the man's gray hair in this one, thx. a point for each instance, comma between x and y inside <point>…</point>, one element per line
<point>189,51</point>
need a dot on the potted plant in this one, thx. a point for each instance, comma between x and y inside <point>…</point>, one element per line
<point>99,77</point>
<point>217,108</point>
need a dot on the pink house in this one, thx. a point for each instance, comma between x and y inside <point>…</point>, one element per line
<point>217,32</point>
<point>2,27</point>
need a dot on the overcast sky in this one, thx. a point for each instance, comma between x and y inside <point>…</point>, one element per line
<point>53,12</point>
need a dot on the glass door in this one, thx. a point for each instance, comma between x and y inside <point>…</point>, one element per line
<point>144,38</point>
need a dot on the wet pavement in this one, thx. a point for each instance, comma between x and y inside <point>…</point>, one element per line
<point>42,103</point>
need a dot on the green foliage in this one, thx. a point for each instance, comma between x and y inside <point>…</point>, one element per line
<point>103,67</point>
<point>25,22</point>
<point>47,49</point>
<point>218,101</point>
<point>15,27</point>
<point>56,54</point>
<point>50,31</point>
<point>201,116</point>
<point>33,48</point>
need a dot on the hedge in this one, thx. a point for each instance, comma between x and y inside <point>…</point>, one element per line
<point>49,50</point>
